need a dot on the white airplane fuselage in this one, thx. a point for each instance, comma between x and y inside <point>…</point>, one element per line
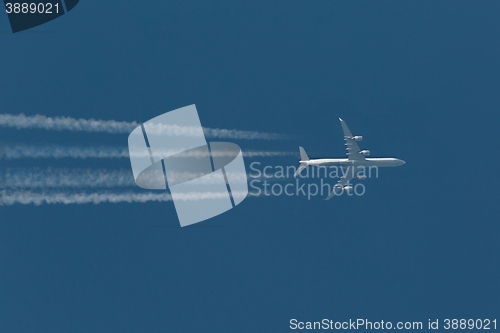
<point>356,160</point>
<point>344,162</point>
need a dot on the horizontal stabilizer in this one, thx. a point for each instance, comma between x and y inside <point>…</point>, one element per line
<point>302,166</point>
<point>330,196</point>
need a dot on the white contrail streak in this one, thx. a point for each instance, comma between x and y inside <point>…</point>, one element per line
<point>8,198</point>
<point>63,177</point>
<point>25,151</point>
<point>22,121</point>
<point>247,135</point>
<point>251,153</point>
<point>46,178</point>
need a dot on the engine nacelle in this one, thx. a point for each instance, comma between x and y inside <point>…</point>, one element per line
<point>347,188</point>
<point>361,177</point>
<point>357,138</point>
<point>365,152</point>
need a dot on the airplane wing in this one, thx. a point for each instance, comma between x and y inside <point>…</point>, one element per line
<point>341,183</point>
<point>351,144</point>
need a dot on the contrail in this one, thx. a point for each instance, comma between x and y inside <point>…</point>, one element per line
<point>27,151</point>
<point>22,121</point>
<point>65,178</point>
<point>8,198</point>
<point>251,153</point>
<point>247,135</point>
<point>46,178</point>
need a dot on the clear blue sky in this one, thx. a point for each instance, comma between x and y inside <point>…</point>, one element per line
<point>419,80</point>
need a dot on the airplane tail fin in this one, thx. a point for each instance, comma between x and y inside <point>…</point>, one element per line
<point>303,154</point>
<point>303,157</point>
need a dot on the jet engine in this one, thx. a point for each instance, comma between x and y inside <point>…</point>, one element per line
<point>361,177</point>
<point>365,152</point>
<point>348,188</point>
<point>357,138</point>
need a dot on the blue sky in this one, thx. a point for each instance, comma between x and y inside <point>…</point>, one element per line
<point>419,80</point>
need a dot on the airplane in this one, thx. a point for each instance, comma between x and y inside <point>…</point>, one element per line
<point>355,160</point>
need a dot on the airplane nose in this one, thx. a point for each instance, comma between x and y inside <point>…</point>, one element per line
<point>402,162</point>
